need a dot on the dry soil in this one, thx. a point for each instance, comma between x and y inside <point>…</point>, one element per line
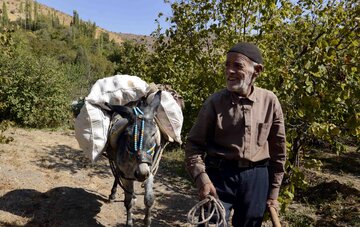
<point>46,180</point>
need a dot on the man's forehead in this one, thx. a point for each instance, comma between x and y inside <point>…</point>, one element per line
<point>237,57</point>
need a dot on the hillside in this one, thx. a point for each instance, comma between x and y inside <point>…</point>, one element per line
<point>13,8</point>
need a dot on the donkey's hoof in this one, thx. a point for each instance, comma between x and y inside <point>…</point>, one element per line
<point>147,223</point>
<point>129,224</point>
<point>111,198</point>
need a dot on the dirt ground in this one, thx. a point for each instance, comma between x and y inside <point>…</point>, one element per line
<point>46,181</point>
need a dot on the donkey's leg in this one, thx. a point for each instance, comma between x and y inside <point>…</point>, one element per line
<point>149,199</point>
<point>113,191</point>
<point>129,200</point>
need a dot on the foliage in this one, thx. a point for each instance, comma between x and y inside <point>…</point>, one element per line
<point>173,161</point>
<point>5,17</point>
<point>50,65</point>
<point>33,89</point>
<point>6,44</point>
<point>76,106</point>
<point>4,125</point>
<point>36,95</point>
<point>131,58</point>
<point>28,14</point>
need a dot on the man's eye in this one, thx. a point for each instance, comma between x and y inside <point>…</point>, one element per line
<point>234,66</point>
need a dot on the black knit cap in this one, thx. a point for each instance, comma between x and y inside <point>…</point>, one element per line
<point>249,50</point>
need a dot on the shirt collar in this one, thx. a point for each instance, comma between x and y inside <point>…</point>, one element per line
<point>236,99</point>
<point>253,94</point>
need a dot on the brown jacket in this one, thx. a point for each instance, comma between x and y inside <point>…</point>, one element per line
<point>249,128</point>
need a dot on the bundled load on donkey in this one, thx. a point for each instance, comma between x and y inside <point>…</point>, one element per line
<point>92,125</point>
<point>131,122</point>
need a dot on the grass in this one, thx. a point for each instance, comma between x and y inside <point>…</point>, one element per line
<point>174,161</point>
<point>299,220</point>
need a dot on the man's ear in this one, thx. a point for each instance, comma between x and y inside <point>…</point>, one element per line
<point>258,69</point>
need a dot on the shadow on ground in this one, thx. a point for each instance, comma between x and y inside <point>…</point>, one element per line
<point>173,199</point>
<point>177,205</point>
<point>176,212</point>
<point>347,163</point>
<point>65,158</point>
<point>53,208</point>
<point>343,163</point>
<point>336,204</point>
<point>62,206</point>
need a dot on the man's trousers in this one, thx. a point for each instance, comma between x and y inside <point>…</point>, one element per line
<point>243,190</point>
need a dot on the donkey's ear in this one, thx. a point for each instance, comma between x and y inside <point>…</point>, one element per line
<point>124,111</point>
<point>155,102</point>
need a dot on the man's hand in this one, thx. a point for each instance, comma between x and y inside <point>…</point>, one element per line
<point>273,203</point>
<point>207,189</point>
<point>273,207</point>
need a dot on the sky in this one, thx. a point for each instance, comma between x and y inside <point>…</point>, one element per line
<point>124,16</point>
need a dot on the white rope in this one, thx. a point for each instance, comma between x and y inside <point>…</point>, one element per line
<point>213,206</point>
<point>157,158</point>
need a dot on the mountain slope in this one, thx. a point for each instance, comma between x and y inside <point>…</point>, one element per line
<point>14,12</point>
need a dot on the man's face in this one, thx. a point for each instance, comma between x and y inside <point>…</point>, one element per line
<point>239,73</point>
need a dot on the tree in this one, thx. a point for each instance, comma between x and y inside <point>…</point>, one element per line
<point>5,17</point>
<point>21,8</point>
<point>131,58</point>
<point>42,68</point>
<point>7,49</point>
<point>21,11</point>
<point>28,12</point>
<point>55,21</point>
<point>76,19</point>
<point>82,59</point>
<point>34,91</point>
<point>36,15</point>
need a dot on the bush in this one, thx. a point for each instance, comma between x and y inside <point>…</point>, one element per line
<point>36,94</point>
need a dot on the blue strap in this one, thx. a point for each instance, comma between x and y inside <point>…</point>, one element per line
<point>151,150</point>
<point>139,137</point>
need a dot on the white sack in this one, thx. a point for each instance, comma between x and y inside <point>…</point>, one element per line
<point>117,90</point>
<point>92,124</point>
<point>91,130</point>
<point>169,116</point>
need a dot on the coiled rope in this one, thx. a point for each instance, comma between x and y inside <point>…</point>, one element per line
<point>205,209</point>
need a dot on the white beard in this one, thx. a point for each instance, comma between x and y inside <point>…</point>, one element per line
<point>241,86</point>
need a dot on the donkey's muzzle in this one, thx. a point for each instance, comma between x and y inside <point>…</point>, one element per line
<point>142,172</point>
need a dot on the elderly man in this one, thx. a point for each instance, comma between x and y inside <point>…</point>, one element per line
<point>236,149</point>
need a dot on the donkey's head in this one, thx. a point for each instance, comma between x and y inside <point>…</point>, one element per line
<point>138,142</point>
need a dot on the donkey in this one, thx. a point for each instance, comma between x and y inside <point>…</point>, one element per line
<point>133,150</point>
